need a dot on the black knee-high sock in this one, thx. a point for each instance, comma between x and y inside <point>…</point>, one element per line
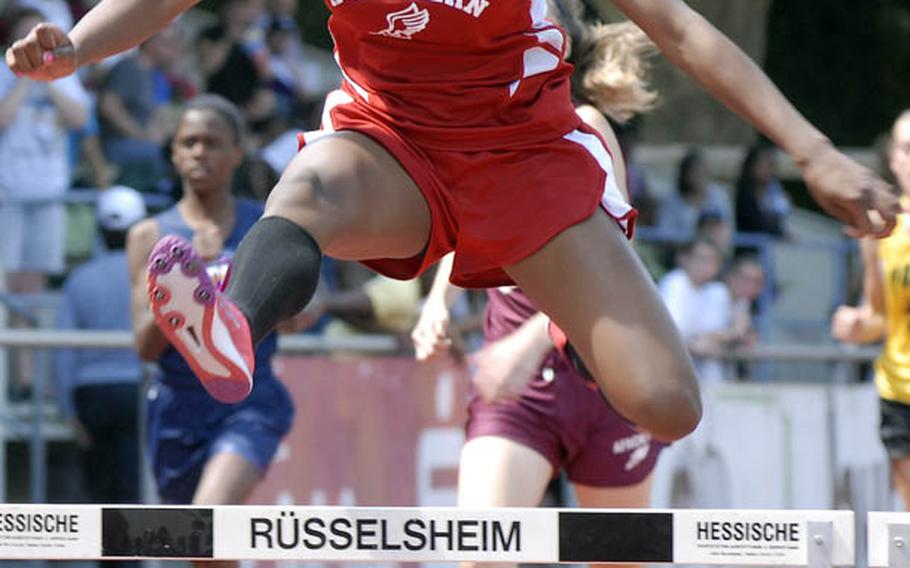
<point>275,272</point>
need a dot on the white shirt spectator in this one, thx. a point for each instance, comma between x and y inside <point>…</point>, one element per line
<point>34,146</point>
<point>698,311</point>
<point>279,153</point>
<point>679,217</point>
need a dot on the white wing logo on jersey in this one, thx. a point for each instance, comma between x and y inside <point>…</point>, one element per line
<point>405,23</point>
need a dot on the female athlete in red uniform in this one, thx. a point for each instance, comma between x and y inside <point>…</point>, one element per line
<point>532,414</point>
<point>459,134</point>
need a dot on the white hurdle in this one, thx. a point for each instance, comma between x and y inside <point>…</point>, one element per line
<point>888,540</point>
<point>815,539</point>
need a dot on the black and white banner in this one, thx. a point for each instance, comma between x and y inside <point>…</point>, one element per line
<point>49,531</point>
<point>416,534</point>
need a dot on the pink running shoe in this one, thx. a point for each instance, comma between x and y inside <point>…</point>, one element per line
<point>200,322</point>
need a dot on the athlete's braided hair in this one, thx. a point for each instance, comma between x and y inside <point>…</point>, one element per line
<point>610,62</point>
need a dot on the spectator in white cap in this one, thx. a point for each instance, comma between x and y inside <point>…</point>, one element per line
<point>118,209</point>
<point>99,389</point>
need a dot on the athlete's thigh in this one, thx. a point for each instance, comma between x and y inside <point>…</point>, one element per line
<point>354,197</point>
<point>637,496</point>
<point>498,472</point>
<point>900,473</point>
<point>227,478</point>
<point>588,279</point>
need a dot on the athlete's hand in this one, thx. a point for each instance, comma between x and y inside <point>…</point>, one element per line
<point>851,192</point>
<point>502,369</point>
<point>847,323</point>
<point>45,54</point>
<point>208,241</point>
<point>431,334</point>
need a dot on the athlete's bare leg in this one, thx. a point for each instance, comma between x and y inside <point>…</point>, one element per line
<point>900,473</point>
<point>497,472</point>
<point>636,496</point>
<point>354,198</point>
<point>589,281</point>
<point>227,479</point>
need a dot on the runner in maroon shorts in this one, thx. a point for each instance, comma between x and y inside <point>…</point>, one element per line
<point>461,135</point>
<point>532,413</point>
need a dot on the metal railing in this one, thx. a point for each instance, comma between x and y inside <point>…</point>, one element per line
<point>287,344</point>
<point>34,418</point>
<point>767,319</point>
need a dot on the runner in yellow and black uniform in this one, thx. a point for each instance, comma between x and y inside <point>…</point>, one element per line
<point>885,313</point>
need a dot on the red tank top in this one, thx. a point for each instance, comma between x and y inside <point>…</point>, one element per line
<point>456,74</point>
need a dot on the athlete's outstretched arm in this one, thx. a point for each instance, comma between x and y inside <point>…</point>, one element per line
<point>431,333</point>
<point>503,368</point>
<point>110,27</point>
<point>842,187</point>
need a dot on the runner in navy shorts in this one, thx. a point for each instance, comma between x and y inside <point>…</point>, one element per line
<point>187,427</point>
<point>202,451</point>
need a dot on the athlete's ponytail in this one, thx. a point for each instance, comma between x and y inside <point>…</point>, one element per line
<point>610,62</point>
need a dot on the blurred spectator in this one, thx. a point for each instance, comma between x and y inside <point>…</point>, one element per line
<point>91,167</point>
<point>132,110</point>
<point>288,82</point>
<point>717,228</point>
<point>636,180</point>
<point>235,62</point>
<point>34,167</point>
<point>762,205</point>
<point>700,305</point>
<point>745,282</point>
<point>366,302</point>
<point>301,74</point>
<point>279,152</point>
<point>99,389</point>
<point>285,10</point>
<point>284,144</point>
<point>695,197</point>
<point>56,12</point>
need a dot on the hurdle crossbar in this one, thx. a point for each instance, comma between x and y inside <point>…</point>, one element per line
<point>418,534</point>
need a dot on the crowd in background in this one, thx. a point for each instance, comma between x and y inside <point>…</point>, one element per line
<point>110,125</point>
